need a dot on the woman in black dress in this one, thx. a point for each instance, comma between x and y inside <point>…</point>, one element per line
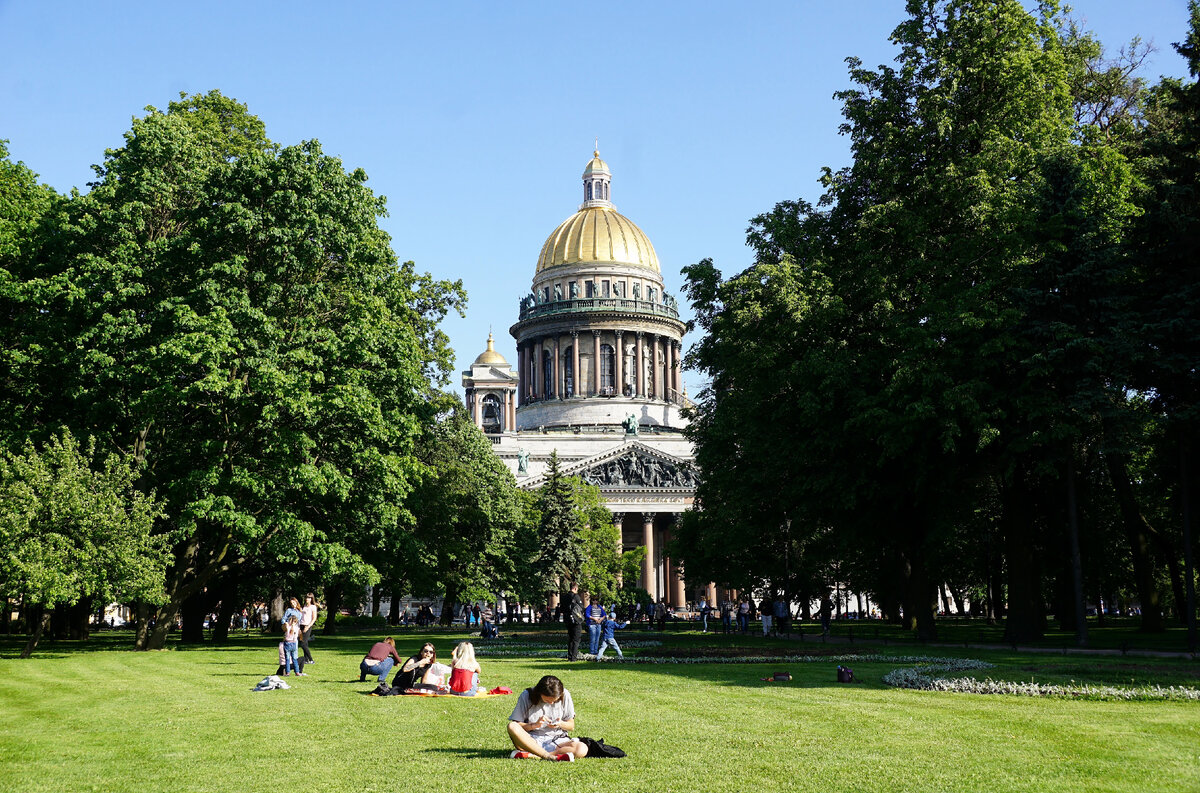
<point>412,672</point>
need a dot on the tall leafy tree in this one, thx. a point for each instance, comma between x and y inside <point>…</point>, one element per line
<point>468,511</point>
<point>73,526</point>
<point>235,318</point>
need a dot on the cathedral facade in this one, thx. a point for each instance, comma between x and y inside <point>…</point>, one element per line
<point>598,380</point>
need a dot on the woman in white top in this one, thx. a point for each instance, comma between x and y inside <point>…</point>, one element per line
<point>539,723</point>
<point>308,621</point>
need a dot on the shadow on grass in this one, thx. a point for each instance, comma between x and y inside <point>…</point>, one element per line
<point>473,753</point>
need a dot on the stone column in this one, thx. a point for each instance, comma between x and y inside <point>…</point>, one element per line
<point>539,372</point>
<point>476,408</point>
<point>575,363</point>
<point>641,368</point>
<point>619,365</point>
<point>595,363</point>
<point>649,568</point>
<point>711,594</point>
<point>656,376</point>
<point>556,371</point>
<point>619,522</point>
<point>673,361</point>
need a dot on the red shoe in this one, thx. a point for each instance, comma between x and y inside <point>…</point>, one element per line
<point>564,758</point>
<point>517,754</point>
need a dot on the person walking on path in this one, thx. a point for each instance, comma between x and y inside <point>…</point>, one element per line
<point>744,614</point>
<point>575,617</point>
<point>308,621</point>
<point>540,722</point>
<point>379,660</point>
<point>705,609</point>
<point>595,615</point>
<point>727,615</point>
<point>767,609</point>
<point>782,613</point>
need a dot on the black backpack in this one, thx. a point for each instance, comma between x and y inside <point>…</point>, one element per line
<point>600,748</point>
<point>845,674</point>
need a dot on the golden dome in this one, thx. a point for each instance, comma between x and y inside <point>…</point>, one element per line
<point>598,234</point>
<point>490,356</point>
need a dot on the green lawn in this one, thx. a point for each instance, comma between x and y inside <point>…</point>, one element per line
<point>103,718</point>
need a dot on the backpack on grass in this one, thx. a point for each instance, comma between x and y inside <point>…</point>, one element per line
<point>845,675</point>
<point>600,748</point>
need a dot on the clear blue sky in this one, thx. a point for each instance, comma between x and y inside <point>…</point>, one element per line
<point>476,119</point>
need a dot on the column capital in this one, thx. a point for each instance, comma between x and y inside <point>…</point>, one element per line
<point>595,333</point>
<point>618,517</point>
<point>648,517</point>
<point>574,334</point>
<point>641,333</point>
<point>619,333</point>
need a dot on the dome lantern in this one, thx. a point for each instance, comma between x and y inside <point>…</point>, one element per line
<point>596,179</point>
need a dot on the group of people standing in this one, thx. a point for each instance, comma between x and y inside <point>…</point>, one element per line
<point>601,625</point>
<point>298,624</point>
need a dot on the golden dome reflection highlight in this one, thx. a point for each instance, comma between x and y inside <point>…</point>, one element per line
<point>598,234</point>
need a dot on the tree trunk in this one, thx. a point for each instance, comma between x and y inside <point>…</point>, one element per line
<point>1081,637</point>
<point>945,599</point>
<point>376,597</point>
<point>39,620</point>
<point>192,614</point>
<point>7,627</point>
<point>60,622</point>
<point>959,605</point>
<point>78,617</point>
<point>275,608</point>
<point>227,589</point>
<point>1137,532</point>
<point>449,604</point>
<point>333,602</point>
<point>1024,618</point>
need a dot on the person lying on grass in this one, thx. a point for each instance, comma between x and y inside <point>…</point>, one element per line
<point>539,723</point>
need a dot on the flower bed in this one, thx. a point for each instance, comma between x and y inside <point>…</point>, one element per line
<point>923,678</point>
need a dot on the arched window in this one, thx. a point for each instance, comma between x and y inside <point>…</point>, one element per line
<point>569,371</point>
<point>607,366</point>
<point>492,414</point>
<point>548,373</point>
<point>629,369</point>
<point>587,191</point>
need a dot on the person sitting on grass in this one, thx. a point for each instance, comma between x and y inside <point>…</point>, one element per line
<point>379,660</point>
<point>464,670</point>
<point>539,723</point>
<point>412,673</point>
<point>607,639</point>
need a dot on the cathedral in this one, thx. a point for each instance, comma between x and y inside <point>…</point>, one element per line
<point>598,380</point>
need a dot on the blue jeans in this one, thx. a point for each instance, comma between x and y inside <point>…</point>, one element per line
<point>380,668</point>
<point>604,645</point>
<point>594,630</point>
<point>704,621</point>
<point>289,658</point>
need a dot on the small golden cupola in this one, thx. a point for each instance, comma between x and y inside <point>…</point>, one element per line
<point>490,356</point>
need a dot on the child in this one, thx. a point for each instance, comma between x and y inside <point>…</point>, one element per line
<point>607,627</point>
<point>291,635</point>
<point>464,670</point>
